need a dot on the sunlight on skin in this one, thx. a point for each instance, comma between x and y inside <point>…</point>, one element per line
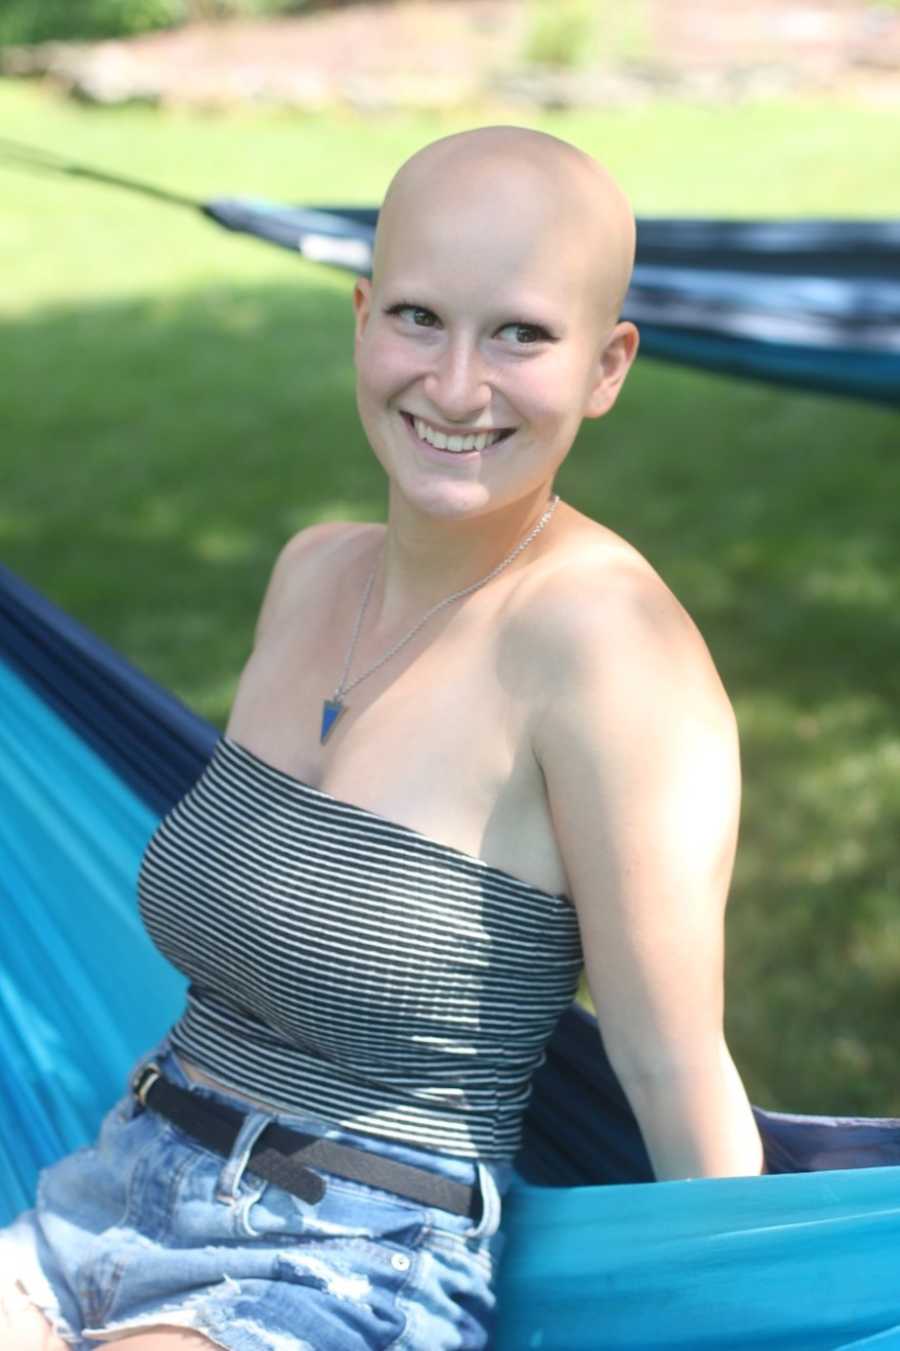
<point>487,255</point>
<point>161,1339</point>
<point>569,192</point>
<point>22,1326</point>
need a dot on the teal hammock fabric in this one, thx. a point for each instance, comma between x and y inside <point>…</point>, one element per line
<point>794,1261</point>
<point>82,990</point>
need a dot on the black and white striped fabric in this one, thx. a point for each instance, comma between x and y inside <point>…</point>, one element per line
<point>351,969</point>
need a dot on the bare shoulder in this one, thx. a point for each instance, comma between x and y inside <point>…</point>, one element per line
<point>311,555</point>
<point>598,622</point>
<point>633,732</point>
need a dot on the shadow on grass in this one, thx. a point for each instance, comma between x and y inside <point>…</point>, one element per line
<point>158,455</point>
<point>158,451</point>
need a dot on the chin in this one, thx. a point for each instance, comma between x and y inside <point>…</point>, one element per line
<point>446,500</point>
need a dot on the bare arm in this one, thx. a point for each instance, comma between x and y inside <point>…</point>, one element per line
<point>638,748</point>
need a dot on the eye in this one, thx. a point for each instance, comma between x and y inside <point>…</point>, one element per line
<point>526,335</point>
<point>416,314</point>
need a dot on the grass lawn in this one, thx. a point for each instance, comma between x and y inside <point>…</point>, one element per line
<point>176,401</point>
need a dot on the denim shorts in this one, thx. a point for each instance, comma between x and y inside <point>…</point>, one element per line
<point>147,1227</point>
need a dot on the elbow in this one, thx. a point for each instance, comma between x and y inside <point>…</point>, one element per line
<point>693,1113</point>
<point>647,1067</point>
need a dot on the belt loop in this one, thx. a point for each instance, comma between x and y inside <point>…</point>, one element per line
<point>251,1128</point>
<point>491,1205</point>
<point>144,1080</point>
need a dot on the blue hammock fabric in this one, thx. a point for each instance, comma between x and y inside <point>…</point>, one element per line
<point>91,753</point>
<point>810,303</point>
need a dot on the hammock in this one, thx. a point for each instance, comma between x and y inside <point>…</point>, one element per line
<point>809,303</point>
<point>91,753</point>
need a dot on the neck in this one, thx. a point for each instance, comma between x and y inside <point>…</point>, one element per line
<point>427,558</point>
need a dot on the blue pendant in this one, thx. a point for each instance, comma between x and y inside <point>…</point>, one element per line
<point>331,711</point>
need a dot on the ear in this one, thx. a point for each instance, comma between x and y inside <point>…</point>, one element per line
<point>612,367</point>
<point>362,303</point>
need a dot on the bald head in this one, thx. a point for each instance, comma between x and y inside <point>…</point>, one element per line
<point>531,180</point>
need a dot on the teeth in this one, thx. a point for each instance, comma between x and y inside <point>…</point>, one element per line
<point>455,444</point>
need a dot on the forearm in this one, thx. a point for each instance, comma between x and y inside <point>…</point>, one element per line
<point>695,1119</point>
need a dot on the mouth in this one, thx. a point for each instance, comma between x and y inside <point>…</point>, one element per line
<point>455,443</point>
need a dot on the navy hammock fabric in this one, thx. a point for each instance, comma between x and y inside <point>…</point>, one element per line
<point>811,303</point>
<point>92,752</point>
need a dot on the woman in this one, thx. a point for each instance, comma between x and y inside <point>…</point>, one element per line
<point>469,747</point>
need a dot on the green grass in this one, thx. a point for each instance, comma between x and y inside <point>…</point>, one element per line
<point>176,401</point>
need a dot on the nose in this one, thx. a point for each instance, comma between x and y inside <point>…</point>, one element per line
<point>457,383</point>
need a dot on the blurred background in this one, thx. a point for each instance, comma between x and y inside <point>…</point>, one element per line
<point>176,401</point>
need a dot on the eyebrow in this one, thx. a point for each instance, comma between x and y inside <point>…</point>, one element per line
<point>390,304</point>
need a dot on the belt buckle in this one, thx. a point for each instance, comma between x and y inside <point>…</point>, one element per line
<point>144,1080</point>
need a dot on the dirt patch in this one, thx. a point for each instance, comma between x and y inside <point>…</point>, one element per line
<point>450,52</point>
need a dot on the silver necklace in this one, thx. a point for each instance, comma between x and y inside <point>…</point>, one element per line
<point>333,708</point>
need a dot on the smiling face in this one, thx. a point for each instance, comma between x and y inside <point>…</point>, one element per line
<point>488,331</point>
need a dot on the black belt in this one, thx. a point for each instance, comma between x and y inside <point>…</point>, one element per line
<point>287,1157</point>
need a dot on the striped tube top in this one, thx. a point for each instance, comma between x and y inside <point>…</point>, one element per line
<point>349,968</point>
